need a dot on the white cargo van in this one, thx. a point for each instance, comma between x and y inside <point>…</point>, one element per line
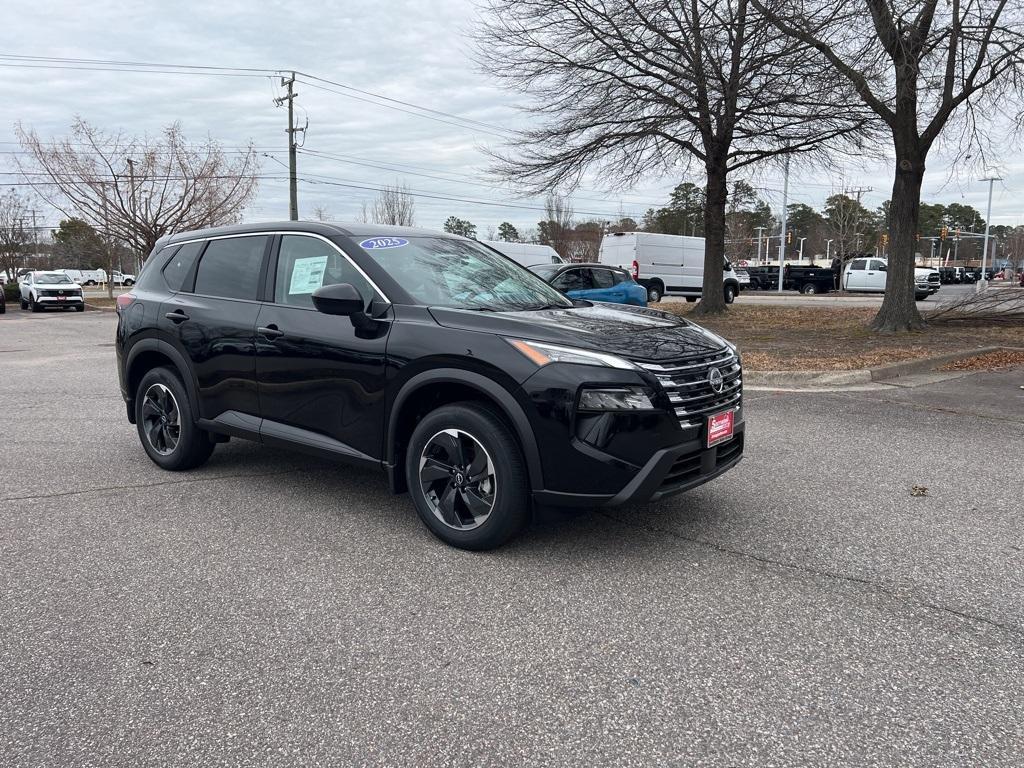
<point>526,254</point>
<point>664,264</point>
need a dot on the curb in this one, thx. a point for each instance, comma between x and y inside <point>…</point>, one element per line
<point>881,373</point>
<point>93,308</point>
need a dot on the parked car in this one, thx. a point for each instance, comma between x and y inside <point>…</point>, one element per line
<point>743,277</point>
<point>868,276</point>
<point>123,279</point>
<point>593,282</point>
<point>42,290</point>
<point>526,254</point>
<point>664,264</point>
<point>3,300</point>
<point>476,386</point>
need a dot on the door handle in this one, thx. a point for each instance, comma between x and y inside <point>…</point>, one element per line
<point>177,316</point>
<point>270,332</point>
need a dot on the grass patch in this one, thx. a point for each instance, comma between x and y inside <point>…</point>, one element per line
<point>837,338</point>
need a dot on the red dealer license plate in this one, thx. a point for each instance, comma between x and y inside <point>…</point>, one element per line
<point>62,298</point>
<point>720,427</point>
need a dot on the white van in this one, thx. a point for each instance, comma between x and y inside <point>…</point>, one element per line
<point>664,264</point>
<point>526,254</point>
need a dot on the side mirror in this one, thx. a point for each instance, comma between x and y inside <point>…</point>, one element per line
<point>882,268</point>
<point>338,299</point>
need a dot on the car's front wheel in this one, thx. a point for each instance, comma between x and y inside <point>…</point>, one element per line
<point>730,294</point>
<point>654,293</point>
<point>24,304</point>
<point>467,477</point>
<point>166,424</point>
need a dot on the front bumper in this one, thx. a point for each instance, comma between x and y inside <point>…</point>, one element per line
<point>56,301</point>
<point>668,472</point>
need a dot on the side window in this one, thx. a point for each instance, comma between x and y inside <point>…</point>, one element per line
<point>306,263</point>
<point>573,280</point>
<point>230,268</point>
<point>179,266</point>
<point>857,264</point>
<point>877,265</point>
<point>603,278</point>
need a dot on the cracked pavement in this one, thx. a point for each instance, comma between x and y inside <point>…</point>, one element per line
<point>272,609</point>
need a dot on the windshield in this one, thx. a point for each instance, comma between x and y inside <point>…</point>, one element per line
<point>445,272</point>
<point>52,279</point>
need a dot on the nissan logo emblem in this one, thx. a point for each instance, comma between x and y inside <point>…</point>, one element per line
<point>715,380</point>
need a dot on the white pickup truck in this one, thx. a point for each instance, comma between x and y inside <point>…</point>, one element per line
<point>867,275</point>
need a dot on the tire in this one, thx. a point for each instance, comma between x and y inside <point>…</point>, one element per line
<point>690,299</point>
<point>129,283</point>
<point>3,307</point>
<point>24,304</point>
<point>80,308</point>
<point>921,296</point>
<point>166,426</point>
<point>90,282</point>
<point>809,289</point>
<point>448,445</point>
<point>730,294</point>
<point>36,307</point>
<point>654,293</point>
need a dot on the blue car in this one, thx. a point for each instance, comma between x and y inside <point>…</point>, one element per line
<point>593,282</point>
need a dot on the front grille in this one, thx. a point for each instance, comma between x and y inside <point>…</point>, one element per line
<point>689,390</point>
<point>692,467</point>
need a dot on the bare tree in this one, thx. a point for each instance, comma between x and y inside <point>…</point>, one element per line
<point>394,205</point>
<point>137,189</point>
<point>14,234</point>
<point>320,213</point>
<point>556,229</point>
<point>917,65</point>
<point>646,86</point>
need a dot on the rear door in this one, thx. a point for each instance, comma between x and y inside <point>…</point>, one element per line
<point>321,382</point>
<point>212,321</point>
<point>607,286</point>
<point>855,275</point>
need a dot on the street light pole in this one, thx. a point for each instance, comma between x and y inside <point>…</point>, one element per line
<point>759,231</point>
<point>983,282</point>
<point>828,252</point>
<point>802,249</point>
<point>785,212</point>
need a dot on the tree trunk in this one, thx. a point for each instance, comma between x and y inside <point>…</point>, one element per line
<point>898,313</point>
<point>712,300</point>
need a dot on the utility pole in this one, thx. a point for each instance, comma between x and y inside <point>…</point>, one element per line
<point>131,208</point>
<point>759,231</point>
<point>785,215</point>
<point>291,130</point>
<point>35,239</point>
<point>858,191</point>
<point>983,283</point>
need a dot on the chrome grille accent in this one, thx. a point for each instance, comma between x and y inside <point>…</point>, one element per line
<point>688,389</point>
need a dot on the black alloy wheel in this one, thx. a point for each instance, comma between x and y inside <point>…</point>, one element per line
<point>458,479</point>
<point>161,419</point>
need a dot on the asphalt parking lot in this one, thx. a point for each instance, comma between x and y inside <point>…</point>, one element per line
<point>270,609</point>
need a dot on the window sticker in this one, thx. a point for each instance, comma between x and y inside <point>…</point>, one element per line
<point>383,242</point>
<point>307,275</point>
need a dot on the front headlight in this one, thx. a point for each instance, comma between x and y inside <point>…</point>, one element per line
<point>615,399</point>
<point>542,354</point>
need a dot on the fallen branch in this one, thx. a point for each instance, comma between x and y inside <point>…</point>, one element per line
<point>994,306</point>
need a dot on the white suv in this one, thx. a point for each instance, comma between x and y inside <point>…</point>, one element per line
<point>40,290</point>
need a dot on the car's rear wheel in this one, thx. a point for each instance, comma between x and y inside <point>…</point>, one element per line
<point>654,293</point>
<point>166,424</point>
<point>467,477</point>
<point>690,299</point>
<point>810,288</point>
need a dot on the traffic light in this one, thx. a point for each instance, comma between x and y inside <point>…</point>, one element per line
<point>885,239</point>
<point>943,232</point>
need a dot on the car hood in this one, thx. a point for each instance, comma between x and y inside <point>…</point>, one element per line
<point>637,333</point>
<point>57,286</point>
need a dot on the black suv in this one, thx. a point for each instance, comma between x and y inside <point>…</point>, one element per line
<point>474,384</point>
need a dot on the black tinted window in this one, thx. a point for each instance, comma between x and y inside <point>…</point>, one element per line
<point>179,266</point>
<point>574,280</point>
<point>603,278</point>
<point>857,264</point>
<point>306,263</point>
<point>231,268</point>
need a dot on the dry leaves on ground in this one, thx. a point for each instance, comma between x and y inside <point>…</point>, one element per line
<point>990,361</point>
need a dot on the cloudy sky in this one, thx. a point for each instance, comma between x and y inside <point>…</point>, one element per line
<point>414,52</point>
